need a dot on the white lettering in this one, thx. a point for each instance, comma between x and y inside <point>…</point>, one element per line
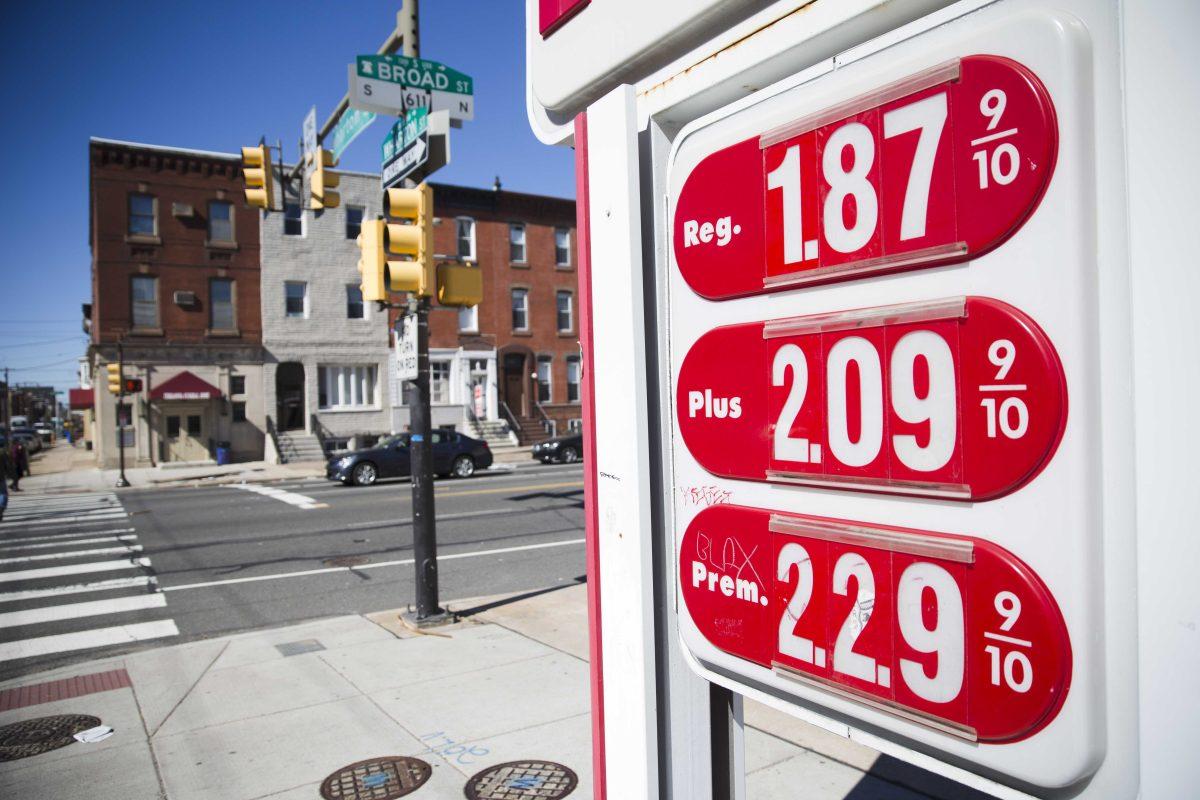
<point>723,230</point>
<point>746,590</point>
<point>698,573</point>
<point>695,402</point>
<point>711,406</point>
<point>689,232</point>
<point>706,232</point>
<point>727,586</point>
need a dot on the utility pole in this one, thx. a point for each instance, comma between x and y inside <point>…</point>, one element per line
<point>121,481</point>
<point>427,612</point>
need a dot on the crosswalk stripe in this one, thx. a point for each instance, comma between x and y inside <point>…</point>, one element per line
<point>97,551</point>
<point>291,498</point>
<point>74,569</point>
<point>107,516</point>
<point>42,545</point>
<point>86,640</point>
<point>90,608</point>
<point>80,588</point>
<point>67,536</point>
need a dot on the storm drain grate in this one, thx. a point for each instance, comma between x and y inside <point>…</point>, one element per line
<point>376,779</point>
<point>299,647</point>
<point>41,735</point>
<point>518,780</point>
<point>347,561</point>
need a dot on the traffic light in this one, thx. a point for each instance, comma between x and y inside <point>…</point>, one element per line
<point>256,172</point>
<point>415,239</point>
<point>322,180</point>
<point>114,377</point>
<point>372,261</point>
<point>459,284</point>
<point>133,385</point>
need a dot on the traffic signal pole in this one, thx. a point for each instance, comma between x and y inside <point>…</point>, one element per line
<point>427,612</point>
<point>121,481</point>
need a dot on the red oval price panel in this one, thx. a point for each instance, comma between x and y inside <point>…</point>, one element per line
<point>952,632</point>
<point>940,167</point>
<point>962,398</point>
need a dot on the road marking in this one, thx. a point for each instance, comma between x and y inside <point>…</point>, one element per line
<point>80,588</point>
<point>91,608</point>
<point>397,563</point>
<point>74,569</point>
<point>132,548</point>
<point>85,640</point>
<point>568,484</point>
<point>291,498</point>
<point>107,516</point>
<point>60,536</point>
<point>42,545</point>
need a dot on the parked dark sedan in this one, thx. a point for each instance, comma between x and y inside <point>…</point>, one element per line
<point>563,449</point>
<point>453,454</point>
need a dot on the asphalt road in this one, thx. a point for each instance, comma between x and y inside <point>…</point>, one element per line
<point>222,559</point>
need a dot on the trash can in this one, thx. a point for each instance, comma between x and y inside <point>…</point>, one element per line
<point>222,453</point>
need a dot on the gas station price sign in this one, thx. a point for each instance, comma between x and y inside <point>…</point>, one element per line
<point>939,167</point>
<point>946,631</point>
<point>963,398</point>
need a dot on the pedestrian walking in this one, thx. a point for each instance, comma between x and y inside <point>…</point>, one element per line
<point>20,464</point>
<point>5,470</point>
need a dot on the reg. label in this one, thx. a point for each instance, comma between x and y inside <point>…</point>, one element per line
<point>951,632</point>
<point>936,168</point>
<point>963,399</point>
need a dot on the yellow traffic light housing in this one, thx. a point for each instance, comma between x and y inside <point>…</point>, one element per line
<point>114,377</point>
<point>256,172</point>
<point>459,284</point>
<point>322,180</point>
<point>414,239</point>
<point>372,262</point>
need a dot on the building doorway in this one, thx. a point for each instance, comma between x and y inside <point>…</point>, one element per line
<point>185,432</point>
<point>514,383</point>
<point>289,396</point>
<point>478,387</point>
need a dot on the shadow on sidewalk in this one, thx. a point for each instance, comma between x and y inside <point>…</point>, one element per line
<point>470,612</point>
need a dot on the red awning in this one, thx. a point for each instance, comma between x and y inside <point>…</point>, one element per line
<point>185,386</point>
<point>80,399</point>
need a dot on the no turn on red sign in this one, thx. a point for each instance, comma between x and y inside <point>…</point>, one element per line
<point>883,358</point>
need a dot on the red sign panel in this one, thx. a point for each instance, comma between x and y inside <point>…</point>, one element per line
<point>952,632</point>
<point>940,167</point>
<point>962,398</point>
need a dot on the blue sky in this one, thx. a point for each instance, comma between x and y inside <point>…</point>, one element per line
<point>212,76</point>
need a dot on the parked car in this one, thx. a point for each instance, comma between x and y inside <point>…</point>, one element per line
<point>29,438</point>
<point>563,449</point>
<point>453,454</point>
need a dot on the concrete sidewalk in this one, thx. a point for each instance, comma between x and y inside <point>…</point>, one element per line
<point>271,714</point>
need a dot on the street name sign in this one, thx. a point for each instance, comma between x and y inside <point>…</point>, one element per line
<point>406,349</point>
<point>391,84</point>
<point>405,148</point>
<point>309,133</point>
<point>353,122</point>
<point>881,358</point>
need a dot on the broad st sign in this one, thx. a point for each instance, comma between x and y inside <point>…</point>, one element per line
<point>392,85</point>
<point>884,369</point>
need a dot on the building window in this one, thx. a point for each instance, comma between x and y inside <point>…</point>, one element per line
<point>516,243</point>
<point>220,222</point>
<point>465,233</point>
<point>572,379</point>
<point>173,427</point>
<point>562,247</point>
<point>439,383</point>
<point>346,387</point>
<point>544,364</point>
<point>566,321</point>
<point>142,215</point>
<point>237,384</point>
<point>468,319</point>
<point>296,298</point>
<point>221,316</point>
<point>239,412</point>
<point>145,301</point>
<point>293,219</point>
<point>520,309</point>
<point>193,425</point>
<point>354,218</point>
<point>354,302</point>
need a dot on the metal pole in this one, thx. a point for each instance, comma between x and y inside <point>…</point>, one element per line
<point>121,482</point>
<point>428,612</point>
<point>7,402</point>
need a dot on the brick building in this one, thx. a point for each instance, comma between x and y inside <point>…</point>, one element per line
<point>175,281</point>
<point>515,358</point>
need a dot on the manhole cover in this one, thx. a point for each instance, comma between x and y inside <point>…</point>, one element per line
<point>522,779</point>
<point>34,736</point>
<point>376,779</point>
<point>347,561</point>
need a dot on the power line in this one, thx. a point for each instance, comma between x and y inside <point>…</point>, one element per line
<point>42,366</point>
<point>43,341</point>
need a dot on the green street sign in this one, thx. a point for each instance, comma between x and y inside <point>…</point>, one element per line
<point>394,85</point>
<point>405,148</point>
<point>352,123</point>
